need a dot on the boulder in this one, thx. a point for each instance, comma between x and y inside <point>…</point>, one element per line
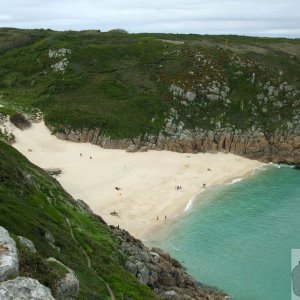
<point>83,206</point>
<point>190,96</point>
<point>51,240</point>
<point>9,261</point>
<point>68,287</point>
<point>212,97</point>
<point>144,149</point>
<point>24,288</point>
<point>27,243</point>
<point>132,148</point>
<point>49,237</point>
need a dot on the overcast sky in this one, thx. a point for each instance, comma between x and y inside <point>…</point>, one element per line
<point>245,17</point>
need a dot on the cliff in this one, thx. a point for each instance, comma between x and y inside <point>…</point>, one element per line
<point>185,93</point>
<point>282,146</point>
<point>52,246</point>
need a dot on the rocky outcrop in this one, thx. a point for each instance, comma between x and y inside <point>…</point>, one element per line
<point>9,261</point>
<point>282,146</point>
<point>27,244</point>
<point>162,273</point>
<point>68,287</point>
<point>63,54</point>
<point>23,288</point>
<point>51,240</point>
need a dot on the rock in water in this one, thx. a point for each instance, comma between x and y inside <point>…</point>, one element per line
<point>9,261</point>
<point>23,288</point>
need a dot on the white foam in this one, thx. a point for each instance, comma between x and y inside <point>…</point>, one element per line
<point>287,166</point>
<point>189,205</point>
<point>237,180</point>
<point>279,166</point>
<point>261,168</point>
<point>177,249</point>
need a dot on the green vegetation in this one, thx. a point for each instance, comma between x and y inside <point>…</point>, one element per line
<point>120,82</point>
<point>33,204</point>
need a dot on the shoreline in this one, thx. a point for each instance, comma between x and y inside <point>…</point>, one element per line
<point>147,180</point>
<point>157,228</point>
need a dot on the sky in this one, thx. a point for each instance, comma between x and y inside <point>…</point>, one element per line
<point>243,17</point>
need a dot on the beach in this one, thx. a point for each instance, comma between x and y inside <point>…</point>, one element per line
<point>139,187</point>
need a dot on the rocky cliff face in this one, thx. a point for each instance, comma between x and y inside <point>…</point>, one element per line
<point>161,272</point>
<point>282,146</point>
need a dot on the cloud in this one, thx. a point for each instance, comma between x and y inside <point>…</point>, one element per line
<point>251,17</point>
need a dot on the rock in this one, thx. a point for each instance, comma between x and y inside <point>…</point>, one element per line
<point>9,261</point>
<point>68,287</point>
<point>20,121</point>
<point>155,256</point>
<point>144,272</point>
<point>214,90</point>
<point>27,243</point>
<point>132,148</point>
<point>144,149</point>
<point>23,288</point>
<point>190,96</point>
<point>59,53</point>
<point>83,206</point>
<point>176,90</point>
<point>50,238</point>
<point>170,294</point>
<point>53,171</point>
<point>132,268</point>
<point>212,97</point>
<point>163,274</point>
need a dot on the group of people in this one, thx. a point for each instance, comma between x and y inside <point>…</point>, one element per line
<point>158,218</point>
<point>178,187</point>
<point>81,156</point>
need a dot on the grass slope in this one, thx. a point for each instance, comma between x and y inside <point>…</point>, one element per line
<point>120,82</point>
<point>32,203</point>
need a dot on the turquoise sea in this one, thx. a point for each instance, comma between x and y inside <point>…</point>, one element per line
<point>239,237</point>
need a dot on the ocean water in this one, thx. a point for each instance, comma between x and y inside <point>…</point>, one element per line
<point>239,236</point>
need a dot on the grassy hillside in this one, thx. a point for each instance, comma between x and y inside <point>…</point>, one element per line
<point>121,82</point>
<point>32,204</point>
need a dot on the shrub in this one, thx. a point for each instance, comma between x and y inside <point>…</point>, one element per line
<point>19,121</point>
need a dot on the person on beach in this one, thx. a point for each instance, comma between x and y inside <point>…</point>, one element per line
<point>165,217</point>
<point>157,218</point>
<point>204,185</point>
<point>90,157</point>
<point>80,154</point>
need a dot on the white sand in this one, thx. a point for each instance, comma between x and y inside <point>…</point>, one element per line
<point>147,180</point>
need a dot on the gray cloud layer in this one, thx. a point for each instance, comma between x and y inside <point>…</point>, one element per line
<point>246,17</point>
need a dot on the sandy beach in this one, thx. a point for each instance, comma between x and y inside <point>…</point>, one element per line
<point>147,180</point>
